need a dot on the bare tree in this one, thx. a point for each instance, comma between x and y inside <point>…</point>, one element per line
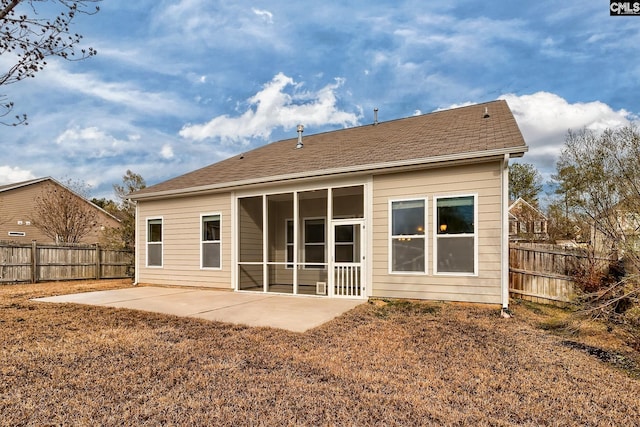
<point>29,36</point>
<point>63,215</point>
<point>601,172</point>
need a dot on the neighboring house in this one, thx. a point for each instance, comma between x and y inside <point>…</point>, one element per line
<point>622,225</point>
<point>526,222</point>
<point>17,203</point>
<point>409,208</point>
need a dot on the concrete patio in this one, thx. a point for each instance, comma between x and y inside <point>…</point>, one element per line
<point>293,313</point>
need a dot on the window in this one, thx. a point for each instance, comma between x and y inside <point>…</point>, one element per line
<point>537,227</point>
<point>211,241</point>
<point>154,242</point>
<point>524,227</point>
<point>17,234</point>
<point>408,243</point>
<point>456,234</point>
<point>314,242</point>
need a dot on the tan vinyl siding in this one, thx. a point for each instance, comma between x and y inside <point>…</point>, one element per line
<point>181,241</point>
<point>16,210</point>
<point>483,179</point>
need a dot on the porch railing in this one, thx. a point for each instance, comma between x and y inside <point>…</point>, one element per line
<point>347,280</point>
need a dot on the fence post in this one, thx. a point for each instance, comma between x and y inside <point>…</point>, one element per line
<point>98,255</point>
<point>34,262</point>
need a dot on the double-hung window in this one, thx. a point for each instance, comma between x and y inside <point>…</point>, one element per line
<point>154,242</point>
<point>456,234</point>
<point>408,242</point>
<point>211,241</point>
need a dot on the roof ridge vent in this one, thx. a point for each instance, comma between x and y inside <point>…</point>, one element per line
<point>375,116</point>
<point>300,130</point>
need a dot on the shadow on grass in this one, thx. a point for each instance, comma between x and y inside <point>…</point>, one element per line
<point>385,308</point>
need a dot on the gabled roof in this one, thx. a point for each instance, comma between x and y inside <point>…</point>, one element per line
<point>517,206</point>
<point>475,131</point>
<point>9,187</point>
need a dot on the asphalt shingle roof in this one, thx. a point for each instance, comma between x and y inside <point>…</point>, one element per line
<point>472,129</point>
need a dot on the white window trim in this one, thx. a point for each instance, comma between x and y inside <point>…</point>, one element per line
<point>161,243</point>
<point>304,262</point>
<point>202,242</point>
<point>474,235</point>
<point>420,236</point>
<point>351,243</point>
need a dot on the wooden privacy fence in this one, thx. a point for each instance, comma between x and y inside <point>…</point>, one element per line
<point>42,263</point>
<point>547,273</point>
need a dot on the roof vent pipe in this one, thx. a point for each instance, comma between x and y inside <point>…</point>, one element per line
<point>486,113</point>
<point>300,130</point>
<point>375,116</point>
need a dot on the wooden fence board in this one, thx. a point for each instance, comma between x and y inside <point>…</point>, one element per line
<point>40,263</point>
<point>15,264</point>
<point>547,273</point>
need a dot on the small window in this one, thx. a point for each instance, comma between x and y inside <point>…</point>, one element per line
<point>456,234</point>
<point>537,227</point>
<point>211,241</point>
<point>408,243</point>
<point>154,242</point>
<point>314,243</point>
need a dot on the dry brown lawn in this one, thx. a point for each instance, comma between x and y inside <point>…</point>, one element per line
<point>401,363</point>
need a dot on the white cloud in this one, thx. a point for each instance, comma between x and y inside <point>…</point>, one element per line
<point>91,142</point>
<point>474,39</point>
<point>166,152</point>
<point>227,25</point>
<point>125,94</point>
<point>274,107</point>
<point>544,119</point>
<point>9,175</point>
<point>264,14</point>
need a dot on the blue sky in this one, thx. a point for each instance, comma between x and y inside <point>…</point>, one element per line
<point>180,84</point>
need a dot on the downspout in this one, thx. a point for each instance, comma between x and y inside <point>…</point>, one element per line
<point>136,249</point>
<point>504,280</point>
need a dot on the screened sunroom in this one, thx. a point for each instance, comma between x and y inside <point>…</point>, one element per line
<point>302,242</point>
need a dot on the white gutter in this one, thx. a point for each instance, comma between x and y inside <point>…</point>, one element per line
<point>504,280</point>
<point>136,264</point>
<point>335,171</point>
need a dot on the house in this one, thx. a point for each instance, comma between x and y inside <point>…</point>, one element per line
<point>409,208</point>
<point>527,222</point>
<point>617,228</point>
<point>18,202</point>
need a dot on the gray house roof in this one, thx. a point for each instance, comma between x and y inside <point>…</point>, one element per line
<point>471,132</point>
<point>8,187</point>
